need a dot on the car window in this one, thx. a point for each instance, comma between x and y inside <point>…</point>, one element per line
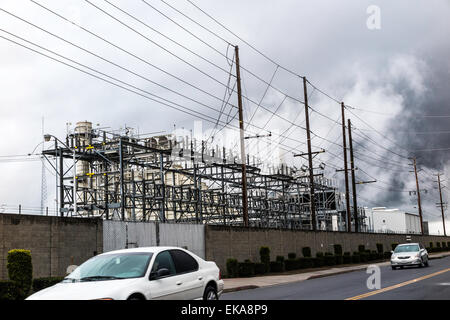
<point>184,262</point>
<point>407,248</point>
<point>164,260</point>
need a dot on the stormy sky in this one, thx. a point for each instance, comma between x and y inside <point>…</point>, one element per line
<point>393,78</point>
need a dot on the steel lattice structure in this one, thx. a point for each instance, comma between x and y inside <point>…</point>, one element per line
<point>119,176</point>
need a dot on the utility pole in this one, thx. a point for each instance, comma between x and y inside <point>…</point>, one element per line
<point>352,168</point>
<point>441,204</point>
<point>344,145</point>
<point>418,195</point>
<point>241,131</point>
<point>310,164</point>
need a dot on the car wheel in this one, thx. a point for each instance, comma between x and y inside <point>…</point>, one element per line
<point>426,263</point>
<point>210,293</point>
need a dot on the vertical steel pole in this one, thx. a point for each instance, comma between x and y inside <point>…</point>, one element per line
<point>310,163</point>
<point>352,169</point>
<point>241,131</point>
<point>347,199</point>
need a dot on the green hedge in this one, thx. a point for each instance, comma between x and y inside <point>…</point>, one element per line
<point>329,259</point>
<point>306,262</point>
<point>292,255</point>
<point>42,283</point>
<point>10,291</point>
<point>339,259</point>
<point>356,257</point>
<point>232,268</point>
<point>361,248</point>
<point>306,252</point>
<point>280,259</point>
<point>291,264</point>
<point>347,258</point>
<point>20,269</point>
<point>393,246</point>
<point>380,248</point>
<point>260,268</point>
<point>276,266</point>
<point>337,250</point>
<point>387,255</point>
<point>246,268</point>
<point>264,254</point>
<point>319,260</point>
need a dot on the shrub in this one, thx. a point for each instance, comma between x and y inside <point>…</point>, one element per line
<point>431,244</point>
<point>438,247</point>
<point>329,259</point>
<point>264,253</point>
<point>380,248</point>
<point>394,245</point>
<point>356,258</point>
<point>428,249</point>
<point>20,269</point>
<point>339,259</point>
<point>232,268</point>
<point>246,268</point>
<point>363,257</point>
<point>292,264</point>
<point>448,244</point>
<point>260,268</point>
<point>306,252</point>
<point>319,260</point>
<point>306,262</point>
<point>42,283</point>
<point>292,255</point>
<point>347,258</point>
<point>276,266</point>
<point>280,259</point>
<point>337,250</point>
<point>361,248</point>
<point>10,291</point>
<point>443,246</point>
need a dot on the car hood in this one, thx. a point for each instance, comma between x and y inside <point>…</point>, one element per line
<point>88,290</point>
<point>405,254</point>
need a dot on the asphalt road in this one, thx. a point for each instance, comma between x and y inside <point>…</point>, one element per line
<point>410,283</point>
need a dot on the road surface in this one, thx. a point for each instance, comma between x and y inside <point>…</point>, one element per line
<point>410,283</point>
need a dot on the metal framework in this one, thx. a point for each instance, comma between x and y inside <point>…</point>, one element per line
<point>160,178</point>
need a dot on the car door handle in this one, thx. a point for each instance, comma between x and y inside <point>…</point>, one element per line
<point>179,283</point>
<point>200,278</point>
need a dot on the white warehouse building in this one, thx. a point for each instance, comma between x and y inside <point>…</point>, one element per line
<point>381,219</point>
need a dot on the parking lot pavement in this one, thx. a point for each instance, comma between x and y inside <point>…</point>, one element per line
<point>237,284</point>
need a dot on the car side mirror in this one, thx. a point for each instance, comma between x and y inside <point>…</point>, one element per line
<point>159,273</point>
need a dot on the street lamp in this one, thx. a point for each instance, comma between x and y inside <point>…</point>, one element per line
<point>47,138</point>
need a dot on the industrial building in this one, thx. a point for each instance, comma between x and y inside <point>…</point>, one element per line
<point>123,176</point>
<point>384,220</point>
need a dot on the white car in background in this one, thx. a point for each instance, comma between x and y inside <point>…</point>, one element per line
<point>409,254</point>
<point>139,274</point>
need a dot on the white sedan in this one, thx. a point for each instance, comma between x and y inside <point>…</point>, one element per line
<point>139,274</point>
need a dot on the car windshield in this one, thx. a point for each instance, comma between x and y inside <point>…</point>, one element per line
<point>407,248</point>
<point>112,267</point>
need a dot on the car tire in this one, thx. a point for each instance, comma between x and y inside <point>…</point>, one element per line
<point>210,293</point>
<point>426,264</point>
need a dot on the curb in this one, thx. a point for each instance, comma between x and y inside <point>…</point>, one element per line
<point>240,288</point>
<point>248,287</point>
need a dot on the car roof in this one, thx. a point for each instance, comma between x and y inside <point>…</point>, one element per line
<point>408,244</point>
<point>143,249</point>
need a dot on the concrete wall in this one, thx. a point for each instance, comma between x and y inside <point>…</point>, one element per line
<point>120,235</point>
<point>55,242</point>
<point>243,243</point>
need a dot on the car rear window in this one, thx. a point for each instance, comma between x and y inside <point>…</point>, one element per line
<point>183,261</point>
<point>407,248</point>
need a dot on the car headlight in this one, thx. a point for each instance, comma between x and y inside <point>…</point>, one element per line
<point>417,256</point>
<point>393,257</point>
